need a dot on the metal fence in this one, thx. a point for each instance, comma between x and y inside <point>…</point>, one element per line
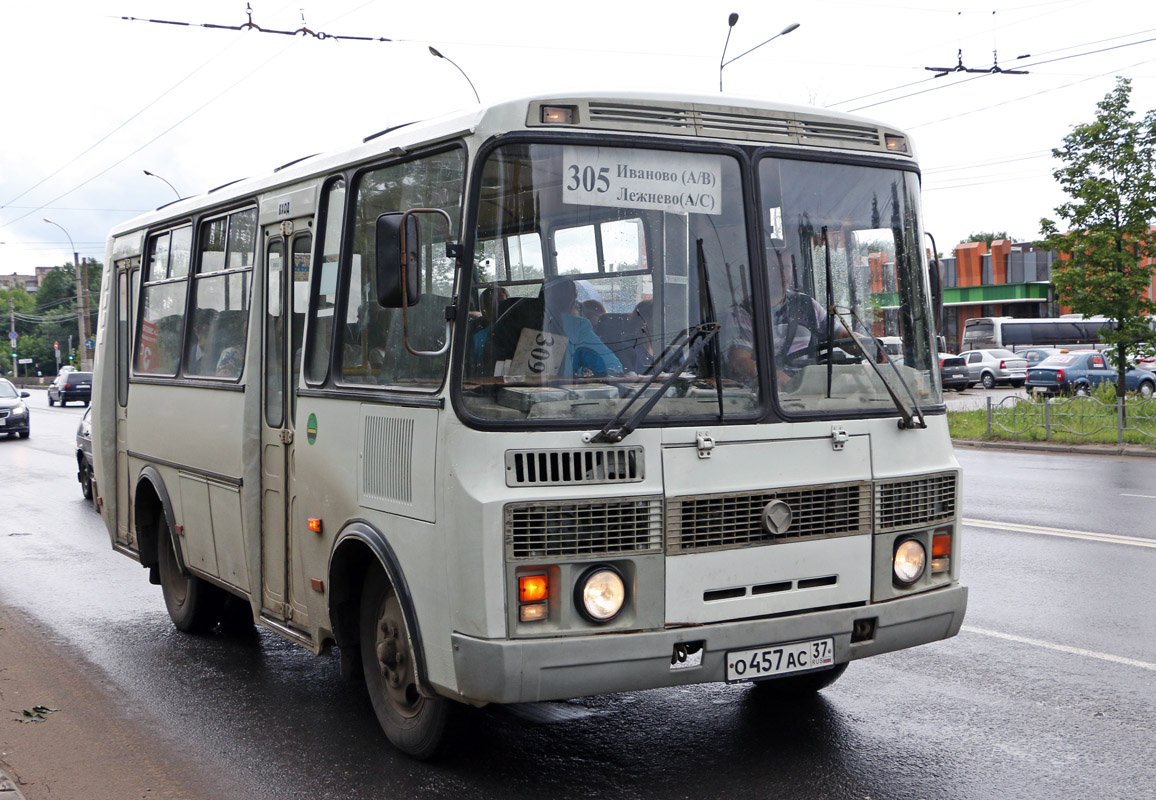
<point>1077,416</point>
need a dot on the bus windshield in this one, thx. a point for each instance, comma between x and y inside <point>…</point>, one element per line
<point>844,269</point>
<point>606,275</point>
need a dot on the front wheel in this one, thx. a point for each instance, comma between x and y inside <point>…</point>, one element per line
<point>413,722</point>
<point>988,380</point>
<point>193,604</point>
<point>51,402</point>
<point>797,687</point>
<point>1146,389</point>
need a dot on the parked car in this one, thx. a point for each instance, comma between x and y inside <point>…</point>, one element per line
<point>953,372</point>
<point>14,415</point>
<point>70,386</point>
<point>990,367</point>
<point>1080,372</point>
<point>1034,355</point>
<point>84,455</point>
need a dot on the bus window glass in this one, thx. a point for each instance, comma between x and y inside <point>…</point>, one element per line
<point>221,296</point>
<point>373,349</point>
<point>631,270</point>
<point>158,346</point>
<point>844,267</point>
<point>302,255</point>
<point>274,335</point>
<point>325,285</point>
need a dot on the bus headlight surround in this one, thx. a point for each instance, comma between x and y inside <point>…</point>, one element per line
<point>909,562</point>
<point>600,593</point>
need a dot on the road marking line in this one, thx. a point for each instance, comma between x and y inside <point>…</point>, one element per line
<point>1077,651</point>
<point>1145,496</point>
<point>1112,538</point>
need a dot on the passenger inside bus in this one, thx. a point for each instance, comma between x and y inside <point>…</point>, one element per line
<point>586,354</point>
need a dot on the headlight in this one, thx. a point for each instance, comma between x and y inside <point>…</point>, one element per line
<point>600,594</point>
<point>19,411</point>
<point>909,562</point>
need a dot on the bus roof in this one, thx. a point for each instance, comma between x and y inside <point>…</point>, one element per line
<point>707,116</point>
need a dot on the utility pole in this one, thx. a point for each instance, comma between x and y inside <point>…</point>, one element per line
<point>12,339</point>
<point>86,322</point>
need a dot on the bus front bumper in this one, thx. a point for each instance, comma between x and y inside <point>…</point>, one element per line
<point>533,670</point>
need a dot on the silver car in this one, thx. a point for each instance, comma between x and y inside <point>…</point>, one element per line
<point>990,367</point>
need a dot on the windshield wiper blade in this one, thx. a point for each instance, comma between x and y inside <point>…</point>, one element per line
<point>697,337</point>
<point>909,416</point>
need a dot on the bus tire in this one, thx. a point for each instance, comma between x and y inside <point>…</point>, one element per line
<point>798,687</point>
<point>86,481</point>
<point>414,723</point>
<point>193,604</point>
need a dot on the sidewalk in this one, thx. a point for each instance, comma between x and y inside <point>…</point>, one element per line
<point>1088,449</point>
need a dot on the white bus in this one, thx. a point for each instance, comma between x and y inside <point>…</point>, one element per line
<point>531,403</point>
<point>1012,333</point>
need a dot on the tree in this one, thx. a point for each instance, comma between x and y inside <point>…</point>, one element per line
<point>1109,173</point>
<point>985,237</point>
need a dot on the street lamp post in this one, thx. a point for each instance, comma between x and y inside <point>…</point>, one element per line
<point>731,23</point>
<point>158,177</point>
<point>82,300</point>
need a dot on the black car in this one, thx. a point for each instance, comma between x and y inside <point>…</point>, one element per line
<point>84,456</point>
<point>13,411</point>
<point>70,386</point>
<point>953,372</point>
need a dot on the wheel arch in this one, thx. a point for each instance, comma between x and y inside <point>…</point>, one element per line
<point>151,500</point>
<point>355,550</point>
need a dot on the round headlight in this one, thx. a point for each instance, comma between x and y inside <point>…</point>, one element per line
<point>910,561</point>
<point>600,594</point>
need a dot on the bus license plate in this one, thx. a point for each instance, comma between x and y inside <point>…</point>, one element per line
<point>779,659</point>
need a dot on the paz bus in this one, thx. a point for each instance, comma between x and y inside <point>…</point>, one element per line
<point>563,396</point>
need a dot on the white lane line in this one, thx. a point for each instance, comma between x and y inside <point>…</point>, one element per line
<point>1076,651</point>
<point>1015,527</point>
<point>1145,496</point>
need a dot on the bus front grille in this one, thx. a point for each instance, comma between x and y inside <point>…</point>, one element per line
<point>724,521</point>
<point>914,502</point>
<point>573,529</point>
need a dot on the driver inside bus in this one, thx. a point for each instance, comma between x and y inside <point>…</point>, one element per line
<point>799,324</point>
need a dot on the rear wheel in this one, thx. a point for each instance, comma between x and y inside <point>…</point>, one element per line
<point>1083,390</point>
<point>414,723</point>
<point>86,481</point>
<point>988,380</point>
<point>193,604</point>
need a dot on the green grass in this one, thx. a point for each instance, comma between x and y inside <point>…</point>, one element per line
<point>1075,421</point>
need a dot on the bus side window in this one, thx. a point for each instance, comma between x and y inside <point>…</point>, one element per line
<point>373,349</point>
<point>162,318</point>
<point>324,290</point>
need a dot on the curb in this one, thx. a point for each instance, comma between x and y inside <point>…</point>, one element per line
<point>1043,447</point>
<point>8,790</point>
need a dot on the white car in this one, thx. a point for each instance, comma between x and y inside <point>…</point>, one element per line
<point>990,367</point>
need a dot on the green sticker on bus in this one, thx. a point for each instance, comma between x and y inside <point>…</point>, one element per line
<point>311,429</point>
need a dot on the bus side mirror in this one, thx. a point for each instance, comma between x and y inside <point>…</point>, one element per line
<point>936,280</point>
<point>398,260</point>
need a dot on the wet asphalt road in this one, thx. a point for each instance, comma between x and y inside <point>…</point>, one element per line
<point>1049,692</point>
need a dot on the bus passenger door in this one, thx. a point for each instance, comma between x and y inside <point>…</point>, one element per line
<point>286,294</point>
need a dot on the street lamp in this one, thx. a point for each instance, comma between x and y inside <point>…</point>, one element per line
<point>158,177</point>
<point>731,20</point>
<point>433,51</point>
<point>82,299</point>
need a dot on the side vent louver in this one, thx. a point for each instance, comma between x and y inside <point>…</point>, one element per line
<point>388,459</point>
<point>568,467</point>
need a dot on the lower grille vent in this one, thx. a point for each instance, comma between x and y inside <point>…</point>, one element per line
<point>560,529</point>
<point>914,502</point>
<point>715,522</point>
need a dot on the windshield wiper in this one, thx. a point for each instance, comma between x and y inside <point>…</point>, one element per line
<point>696,338</point>
<point>909,415</point>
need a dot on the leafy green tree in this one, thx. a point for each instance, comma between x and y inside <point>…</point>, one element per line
<point>988,238</point>
<point>1109,172</point>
